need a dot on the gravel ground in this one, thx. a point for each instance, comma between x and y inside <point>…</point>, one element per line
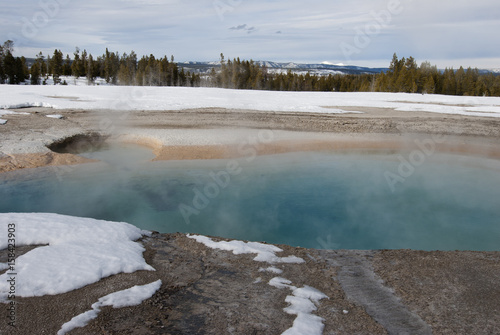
<point>207,291</point>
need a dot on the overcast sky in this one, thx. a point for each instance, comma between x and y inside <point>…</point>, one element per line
<point>359,32</point>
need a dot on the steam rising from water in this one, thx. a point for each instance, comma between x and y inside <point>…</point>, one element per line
<point>316,200</point>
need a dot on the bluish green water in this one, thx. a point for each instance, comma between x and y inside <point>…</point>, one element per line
<point>316,200</point>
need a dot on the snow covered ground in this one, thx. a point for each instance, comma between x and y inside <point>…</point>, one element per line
<point>77,251</point>
<point>73,252</point>
<point>179,98</point>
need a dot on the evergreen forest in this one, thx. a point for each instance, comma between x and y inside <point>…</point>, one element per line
<point>403,75</point>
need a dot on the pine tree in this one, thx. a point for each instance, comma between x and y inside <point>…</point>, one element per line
<point>90,69</point>
<point>481,89</point>
<point>8,47</point>
<point>115,66</point>
<point>40,60</point>
<point>10,68</point>
<point>35,74</point>
<point>57,66</point>
<point>107,66</point>
<point>449,82</point>
<point>67,67</point>
<point>9,63</point>
<point>124,76</point>
<point>459,81</point>
<point>182,78</point>
<point>2,71</point>
<point>175,71</point>
<point>48,65</point>
<point>429,85</point>
<point>470,81</point>
<point>75,67</point>
<point>83,64</point>
<point>22,69</point>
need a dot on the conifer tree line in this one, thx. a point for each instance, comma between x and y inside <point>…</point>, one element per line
<point>115,69</point>
<point>403,75</point>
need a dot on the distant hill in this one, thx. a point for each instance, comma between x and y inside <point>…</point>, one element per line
<point>274,67</point>
<point>318,69</point>
<point>323,69</point>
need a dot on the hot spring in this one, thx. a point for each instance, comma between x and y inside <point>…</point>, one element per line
<point>342,200</point>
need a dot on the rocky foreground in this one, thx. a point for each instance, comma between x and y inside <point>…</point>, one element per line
<point>211,291</point>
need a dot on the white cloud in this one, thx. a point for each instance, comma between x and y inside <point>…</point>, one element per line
<point>310,31</point>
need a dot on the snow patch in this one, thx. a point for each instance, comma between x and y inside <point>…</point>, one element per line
<point>340,111</point>
<point>2,121</point>
<point>17,105</point>
<point>8,112</point>
<point>130,297</point>
<point>302,302</point>
<point>55,116</point>
<point>271,269</point>
<point>265,252</point>
<point>310,293</point>
<point>279,282</point>
<point>75,252</point>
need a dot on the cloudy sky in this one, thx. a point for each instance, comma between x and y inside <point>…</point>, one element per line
<point>360,32</point>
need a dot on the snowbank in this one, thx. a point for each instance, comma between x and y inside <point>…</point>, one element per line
<point>75,252</point>
<point>179,98</point>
